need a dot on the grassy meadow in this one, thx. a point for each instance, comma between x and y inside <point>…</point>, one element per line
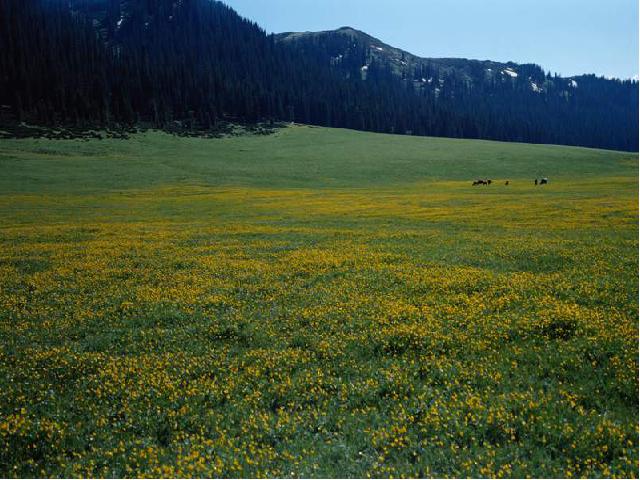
<point>317,303</point>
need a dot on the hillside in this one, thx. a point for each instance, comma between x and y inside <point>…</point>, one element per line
<point>509,101</point>
<point>188,66</point>
<point>406,65</point>
<point>401,62</point>
<point>294,157</point>
<point>316,303</point>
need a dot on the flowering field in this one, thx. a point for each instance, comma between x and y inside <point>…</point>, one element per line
<point>316,303</point>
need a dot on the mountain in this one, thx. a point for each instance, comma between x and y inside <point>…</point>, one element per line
<point>338,43</point>
<point>189,64</point>
<point>508,101</point>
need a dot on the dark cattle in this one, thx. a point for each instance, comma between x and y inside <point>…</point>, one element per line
<point>535,182</point>
<point>507,182</point>
<point>544,181</point>
<point>488,182</point>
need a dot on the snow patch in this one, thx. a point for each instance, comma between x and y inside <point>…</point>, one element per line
<point>535,87</point>
<point>120,22</point>
<point>573,83</point>
<point>510,72</point>
<point>378,48</point>
<point>365,68</point>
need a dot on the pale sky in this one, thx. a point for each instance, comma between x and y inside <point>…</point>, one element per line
<point>569,37</point>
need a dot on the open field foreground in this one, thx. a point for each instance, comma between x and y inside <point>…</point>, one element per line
<point>317,303</point>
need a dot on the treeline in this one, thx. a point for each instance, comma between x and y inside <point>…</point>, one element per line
<point>196,63</point>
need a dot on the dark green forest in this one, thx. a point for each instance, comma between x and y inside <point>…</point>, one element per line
<point>192,64</point>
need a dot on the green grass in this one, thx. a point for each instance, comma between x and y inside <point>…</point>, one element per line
<point>299,157</point>
<point>317,303</point>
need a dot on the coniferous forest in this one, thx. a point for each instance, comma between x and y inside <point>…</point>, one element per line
<point>196,63</point>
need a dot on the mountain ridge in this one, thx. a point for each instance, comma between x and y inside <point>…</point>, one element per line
<point>357,33</point>
<point>404,58</point>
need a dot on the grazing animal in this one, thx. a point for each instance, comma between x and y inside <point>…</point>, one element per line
<point>535,182</point>
<point>544,181</point>
<point>488,182</point>
<point>479,182</point>
<point>507,182</point>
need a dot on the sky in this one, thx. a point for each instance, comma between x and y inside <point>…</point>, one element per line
<point>569,37</point>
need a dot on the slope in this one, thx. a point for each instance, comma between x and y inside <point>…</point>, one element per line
<point>508,101</point>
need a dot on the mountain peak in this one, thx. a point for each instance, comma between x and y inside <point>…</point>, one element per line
<point>345,30</point>
<point>350,30</point>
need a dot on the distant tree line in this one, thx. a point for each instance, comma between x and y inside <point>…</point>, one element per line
<point>196,62</point>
